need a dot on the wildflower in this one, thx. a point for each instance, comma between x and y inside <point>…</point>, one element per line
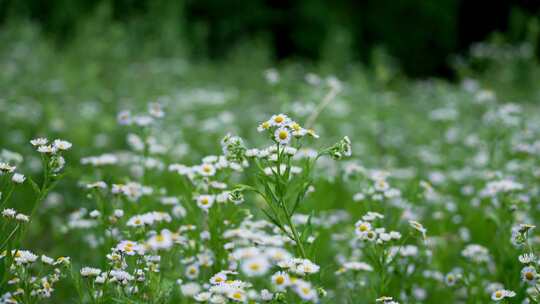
<point>476,253</point>
<point>371,216</point>
<point>305,291</point>
<point>272,76</point>
<point>192,271</point>
<point>501,294</point>
<point>357,266</point>
<point>266,295</point>
<point>10,213</point>
<point>6,168</point>
<point>40,141</point>
<point>22,217</point>
<point>265,125</point>
<point>121,276</point>
<point>386,300</point>
<point>97,185</point>
<point>18,178</point>
<point>156,109</point>
<point>450,279</point>
<point>118,213</point>
<point>62,145</point>
<point>163,240</point>
<point>218,278</point>
<point>279,120</point>
<point>124,118</point>
<point>47,149</point>
<point>24,256</point>
<point>203,296</point>
<point>190,289</point>
<point>47,260</point>
<point>282,136</point>
<point>527,258</point>
<point>205,201</point>
<point>130,248</point>
<point>280,280</point>
<point>529,275</point>
<point>256,266</point>
<point>237,295</point>
<point>419,227</point>
<point>313,134</point>
<point>297,130</point>
<point>362,228</point>
<point>90,272</point>
<point>63,261</point>
<point>206,170</point>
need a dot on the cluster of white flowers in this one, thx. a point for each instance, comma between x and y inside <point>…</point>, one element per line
<point>26,282</point>
<point>43,145</point>
<point>133,191</point>
<point>148,219</point>
<point>284,129</point>
<point>366,231</point>
<point>13,214</point>
<point>476,253</point>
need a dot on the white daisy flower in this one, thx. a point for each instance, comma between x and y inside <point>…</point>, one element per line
<point>265,125</point>
<point>237,295</point>
<point>500,294</point>
<point>205,201</point>
<point>282,136</point>
<point>529,275</point>
<point>280,280</point>
<point>40,141</point>
<point>279,120</point>
<point>206,169</point>
<point>163,240</point>
<point>192,271</point>
<point>190,289</point>
<point>90,272</point>
<point>47,149</point>
<point>62,145</point>
<point>256,266</point>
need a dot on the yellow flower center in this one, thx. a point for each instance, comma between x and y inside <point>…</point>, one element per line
<point>498,294</point>
<point>254,267</point>
<point>529,276</point>
<point>283,134</point>
<point>280,280</point>
<point>237,295</point>
<point>160,238</point>
<point>279,119</point>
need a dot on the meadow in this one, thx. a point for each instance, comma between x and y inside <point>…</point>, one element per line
<point>136,175</point>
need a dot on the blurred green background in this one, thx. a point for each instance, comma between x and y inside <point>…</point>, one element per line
<point>421,36</point>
